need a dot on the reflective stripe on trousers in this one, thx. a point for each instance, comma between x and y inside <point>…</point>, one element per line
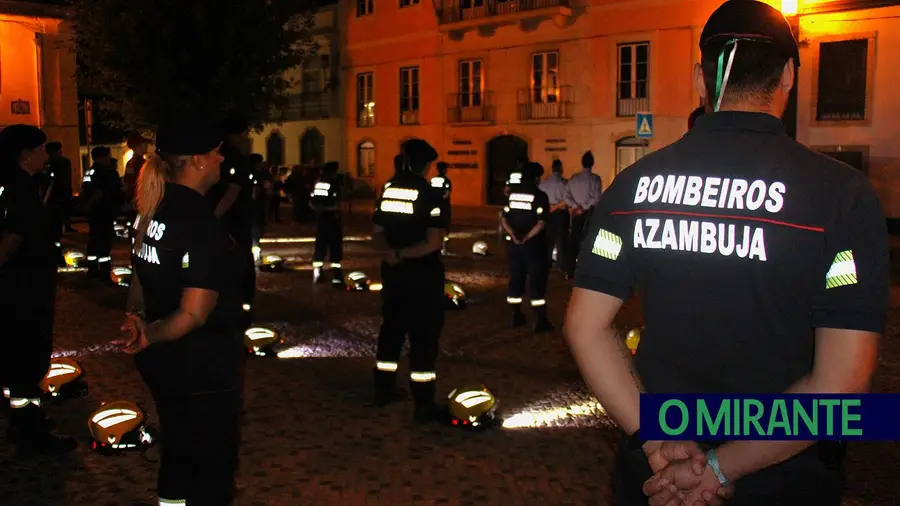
<point>422,377</point>
<point>172,502</point>
<point>21,402</point>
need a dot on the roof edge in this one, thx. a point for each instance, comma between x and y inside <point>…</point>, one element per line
<point>28,9</point>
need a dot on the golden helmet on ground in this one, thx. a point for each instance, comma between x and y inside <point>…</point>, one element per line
<point>119,425</point>
<point>64,379</point>
<point>480,248</point>
<point>121,275</point>
<point>472,406</point>
<point>74,258</point>
<point>632,339</point>
<point>455,295</point>
<point>262,341</point>
<point>357,280</point>
<point>271,262</point>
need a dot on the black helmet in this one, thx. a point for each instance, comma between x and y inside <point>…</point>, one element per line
<point>749,20</point>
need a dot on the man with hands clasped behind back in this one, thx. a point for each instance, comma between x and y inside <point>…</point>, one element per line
<point>763,269</point>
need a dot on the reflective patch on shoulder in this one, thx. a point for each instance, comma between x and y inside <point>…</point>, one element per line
<point>607,245</point>
<point>842,271</point>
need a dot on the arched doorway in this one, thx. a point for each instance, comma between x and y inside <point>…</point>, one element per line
<point>312,147</point>
<point>503,155</point>
<point>275,149</point>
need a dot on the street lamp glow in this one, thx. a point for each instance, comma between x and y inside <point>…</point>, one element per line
<point>790,7</point>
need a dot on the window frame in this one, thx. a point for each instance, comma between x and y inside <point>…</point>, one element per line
<point>408,3</point>
<point>414,97</point>
<point>633,142</point>
<point>369,8</point>
<point>545,71</point>
<point>870,79</point>
<point>633,81</point>
<point>368,174</point>
<point>369,99</point>
<point>472,93</point>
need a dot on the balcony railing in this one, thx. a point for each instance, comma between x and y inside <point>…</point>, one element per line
<point>455,11</point>
<point>409,117</point>
<point>474,107</point>
<point>631,106</point>
<point>545,104</point>
<point>308,105</point>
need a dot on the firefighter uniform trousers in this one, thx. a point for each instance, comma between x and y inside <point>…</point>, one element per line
<point>329,243</point>
<point>558,236</point>
<point>200,425</point>
<point>100,239</point>
<point>27,302</point>
<point>529,262</point>
<point>576,235</point>
<point>412,304</point>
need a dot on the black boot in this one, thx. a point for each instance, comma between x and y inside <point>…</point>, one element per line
<point>423,394</point>
<point>517,319</point>
<point>33,434</point>
<point>384,387</point>
<point>337,277</point>
<point>541,324</point>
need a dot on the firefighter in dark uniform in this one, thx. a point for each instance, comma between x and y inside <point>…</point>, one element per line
<point>558,223</point>
<point>104,197</point>
<point>409,230</point>
<point>27,290</point>
<point>524,220</point>
<point>325,200</point>
<point>185,318</point>
<point>441,182</point>
<point>692,119</point>
<point>763,268</point>
<point>61,195</point>
<point>232,198</point>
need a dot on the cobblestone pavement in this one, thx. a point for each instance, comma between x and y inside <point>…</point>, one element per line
<point>310,440</point>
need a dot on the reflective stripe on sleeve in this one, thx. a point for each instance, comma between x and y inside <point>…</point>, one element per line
<point>607,245</point>
<point>842,271</point>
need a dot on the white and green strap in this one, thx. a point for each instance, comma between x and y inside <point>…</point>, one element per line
<point>842,271</point>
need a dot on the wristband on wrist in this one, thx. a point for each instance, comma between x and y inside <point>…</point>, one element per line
<point>712,460</point>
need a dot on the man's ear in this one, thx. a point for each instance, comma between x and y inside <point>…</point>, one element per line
<point>699,81</point>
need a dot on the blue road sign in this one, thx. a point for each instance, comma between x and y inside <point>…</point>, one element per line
<point>644,126</point>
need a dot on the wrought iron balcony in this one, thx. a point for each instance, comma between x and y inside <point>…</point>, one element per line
<point>537,104</point>
<point>472,107</point>
<point>461,13</point>
<point>308,105</point>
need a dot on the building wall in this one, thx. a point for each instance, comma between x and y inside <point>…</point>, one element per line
<point>879,134</point>
<point>327,36</point>
<point>587,43</point>
<point>35,71</point>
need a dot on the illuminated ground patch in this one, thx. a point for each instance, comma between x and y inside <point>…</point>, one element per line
<point>567,407</point>
<point>477,279</point>
<point>313,342</point>
<point>90,350</point>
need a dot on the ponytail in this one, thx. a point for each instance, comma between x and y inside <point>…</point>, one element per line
<point>151,187</point>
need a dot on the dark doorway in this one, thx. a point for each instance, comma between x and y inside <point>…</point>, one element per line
<point>503,155</point>
<point>275,149</point>
<point>312,147</point>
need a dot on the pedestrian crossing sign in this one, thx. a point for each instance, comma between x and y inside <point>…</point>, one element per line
<point>644,127</point>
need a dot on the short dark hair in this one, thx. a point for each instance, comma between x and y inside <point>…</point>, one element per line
<point>100,152</point>
<point>557,165</point>
<point>442,166</point>
<point>256,158</point>
<point>755,71</point>
<point>53,147</point>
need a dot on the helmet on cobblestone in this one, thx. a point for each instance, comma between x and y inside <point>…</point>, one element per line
<point>632,339</point>
<point>119,426</point>
<point>271,262</point>
<point>357,281</point>
<point>121,276</point>
<point>74,259</point>
<point>456,296</point>
<point>480,248</point>
<point>64,378</point>
<point>261,341</point>
<point>472,406</point>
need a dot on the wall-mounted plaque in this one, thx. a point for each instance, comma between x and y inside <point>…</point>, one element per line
<point>20,107</point>
<point>458,142</point>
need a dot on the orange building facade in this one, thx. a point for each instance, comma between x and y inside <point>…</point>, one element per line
<point>37,85</point>
<point>487,81</point>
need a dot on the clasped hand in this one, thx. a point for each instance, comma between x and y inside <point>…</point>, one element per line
<point>681,476</point>
<point>135,330</point>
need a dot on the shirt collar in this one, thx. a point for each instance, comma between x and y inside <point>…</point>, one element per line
<point>739,120</point>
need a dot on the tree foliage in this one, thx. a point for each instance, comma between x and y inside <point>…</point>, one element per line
<point>162,59</point>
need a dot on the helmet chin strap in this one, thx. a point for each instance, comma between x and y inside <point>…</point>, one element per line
<point>724,71</point>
